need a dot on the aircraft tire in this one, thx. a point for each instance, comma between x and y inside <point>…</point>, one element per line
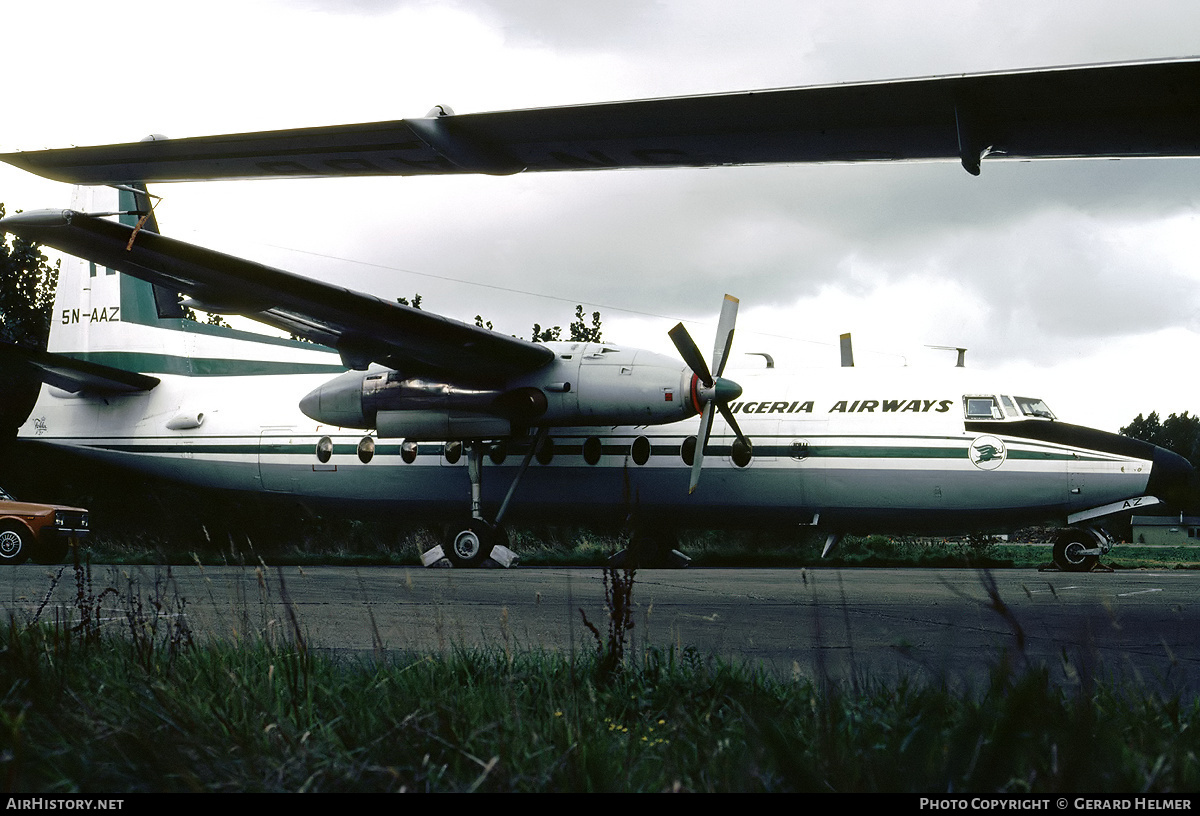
<point>1068,555</point>
<point>14,544</point>
<point>470,543</point>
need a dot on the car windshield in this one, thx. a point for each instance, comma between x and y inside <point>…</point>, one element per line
<point>1031,406</point>
<point>5,495</point>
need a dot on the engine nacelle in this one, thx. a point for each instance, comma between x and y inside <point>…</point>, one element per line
<point>585,384</point>
<point>361,400</point>
<point>602,384</point>
<point>429,426</point>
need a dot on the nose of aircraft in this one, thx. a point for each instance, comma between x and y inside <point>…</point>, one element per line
<point>1174,480</point>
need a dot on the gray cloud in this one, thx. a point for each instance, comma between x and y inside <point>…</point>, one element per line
<point>1037,263</point>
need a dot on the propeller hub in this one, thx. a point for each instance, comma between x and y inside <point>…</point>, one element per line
<point>721,392</point>
<point>726,391</point>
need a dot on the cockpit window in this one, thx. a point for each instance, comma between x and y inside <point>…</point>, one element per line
<point>1009,408</point>
<point>982,408</point>
<point>1033,407</point>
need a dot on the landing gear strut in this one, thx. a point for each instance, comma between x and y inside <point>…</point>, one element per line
<point>470,543</point>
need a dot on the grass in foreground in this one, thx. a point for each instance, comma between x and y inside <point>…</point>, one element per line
<point>84,712</point>
<point>359,544</point>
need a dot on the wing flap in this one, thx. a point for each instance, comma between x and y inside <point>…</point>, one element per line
<point>1113,111</point>
<point>363,327</point>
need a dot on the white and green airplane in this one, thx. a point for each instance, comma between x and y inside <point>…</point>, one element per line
<point>395,406</point>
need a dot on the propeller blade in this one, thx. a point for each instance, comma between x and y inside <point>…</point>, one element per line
<point>729,310</point>
<point>728,416</point>
<point>706,421</point>
<point>718,392</point>
<point>690,353</point>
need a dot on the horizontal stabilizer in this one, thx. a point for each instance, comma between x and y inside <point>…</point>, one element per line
<point>71,374</point>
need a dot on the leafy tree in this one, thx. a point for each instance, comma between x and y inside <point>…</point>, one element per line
<point>581,332</point>
<point>214,319</point>
<point>541,335</point>
<point>27,282</point>
<point>1179,433</point>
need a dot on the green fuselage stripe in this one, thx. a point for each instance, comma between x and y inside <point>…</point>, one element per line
<point>269,445</point>
<point>148,363</point>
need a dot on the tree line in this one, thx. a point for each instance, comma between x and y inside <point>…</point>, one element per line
<point>1178,432</point>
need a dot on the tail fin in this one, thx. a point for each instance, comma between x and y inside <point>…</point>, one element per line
<point>112,319</point>
<point>96,310</point>
<point>136,206</point>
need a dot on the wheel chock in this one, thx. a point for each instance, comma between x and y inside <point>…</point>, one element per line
<point>500,556</point>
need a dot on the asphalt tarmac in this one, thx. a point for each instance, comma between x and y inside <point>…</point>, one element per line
<point>950,626</point>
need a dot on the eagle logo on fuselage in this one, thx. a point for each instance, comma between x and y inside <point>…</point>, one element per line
<point>987,453</point>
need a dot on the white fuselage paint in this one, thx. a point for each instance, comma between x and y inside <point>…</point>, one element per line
<point>859,449</point>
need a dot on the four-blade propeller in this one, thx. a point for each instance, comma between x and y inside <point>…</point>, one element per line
<point>709,390</point>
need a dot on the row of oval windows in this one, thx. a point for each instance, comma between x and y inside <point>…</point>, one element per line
<point>639,451</point>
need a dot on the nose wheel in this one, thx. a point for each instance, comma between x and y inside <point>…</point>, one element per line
<point>1077,550</point>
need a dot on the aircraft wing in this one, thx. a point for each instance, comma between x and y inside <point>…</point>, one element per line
<point>363,328</point>
<point>1115,111</point>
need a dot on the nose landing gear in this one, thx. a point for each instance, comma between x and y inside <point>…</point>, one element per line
<point>1078,549</point>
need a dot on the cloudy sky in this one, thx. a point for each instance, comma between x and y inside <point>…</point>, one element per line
<point>1079,281</point>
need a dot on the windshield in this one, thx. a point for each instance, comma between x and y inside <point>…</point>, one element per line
<point>5,495</point>
<point>1031,406</point>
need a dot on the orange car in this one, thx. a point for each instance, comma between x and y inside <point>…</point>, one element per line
<point>43,532</point>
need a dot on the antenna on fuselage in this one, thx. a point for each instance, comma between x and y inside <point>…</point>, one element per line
<point>847,351</point>
<point>962,354</point>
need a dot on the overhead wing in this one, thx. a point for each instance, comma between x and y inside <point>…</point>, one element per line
<point>1119,110</point>
<point>362,327</point>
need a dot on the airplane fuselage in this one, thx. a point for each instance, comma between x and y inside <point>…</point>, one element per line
<point>853,450</point>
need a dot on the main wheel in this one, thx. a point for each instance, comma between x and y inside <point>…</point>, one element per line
<point>469,544</point>
<point>15,543</point>
<point>1070,551</point>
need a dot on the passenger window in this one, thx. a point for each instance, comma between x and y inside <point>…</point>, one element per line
<point>982,408</point>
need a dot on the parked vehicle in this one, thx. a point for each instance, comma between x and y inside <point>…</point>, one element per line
<point>43,532</point>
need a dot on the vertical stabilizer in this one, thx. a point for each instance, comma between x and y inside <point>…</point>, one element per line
<point>137,210</point>
<point>106,317</point>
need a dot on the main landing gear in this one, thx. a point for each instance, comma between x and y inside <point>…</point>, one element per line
<point>472,541</point>
<point>1078,549</point>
